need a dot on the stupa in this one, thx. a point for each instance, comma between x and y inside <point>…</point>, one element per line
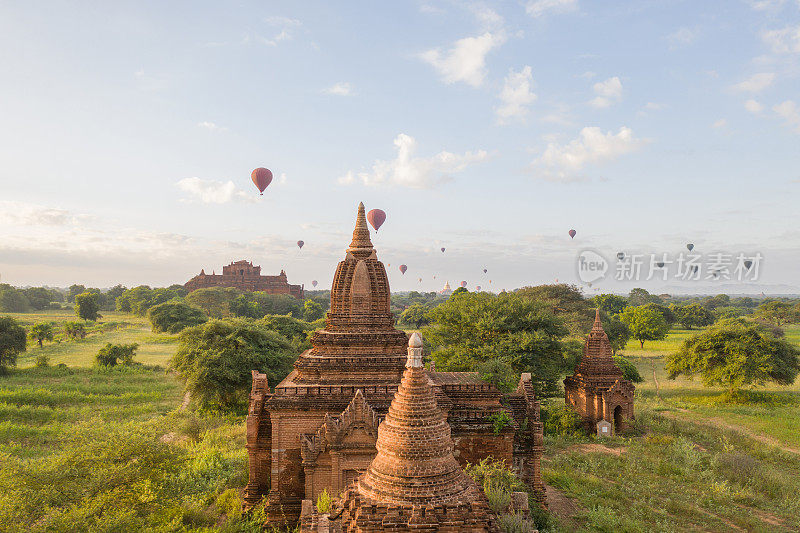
<point>317,430</point>
<point>597,390</point>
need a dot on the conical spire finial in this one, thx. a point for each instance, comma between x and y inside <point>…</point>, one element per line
<point>361,241</point>
<point>598,324</point>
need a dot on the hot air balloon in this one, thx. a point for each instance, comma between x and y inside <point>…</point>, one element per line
<point>660,264</point>
<point>261,178</point>
<point>478,288</point>
<point>314,283</point>
<point>442,249</point>
<point>490,281</point>
<point>420,280</point>
<point>590,284</point>
<point>572,233</point>
<point>748,264</point>
<point>376,217</point>
<point>463,283</point>
<point>690,247</point>
<point>403,268</point>
<point>300,244</point>
<point>620,256</point>
<point>484,271</point>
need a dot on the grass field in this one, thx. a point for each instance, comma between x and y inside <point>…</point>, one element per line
<point>86,449</point>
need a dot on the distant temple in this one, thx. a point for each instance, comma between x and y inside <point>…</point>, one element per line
<point>597,390</point>
<point>447,291</point>
<point>321,427</point>
<point>243,275</point>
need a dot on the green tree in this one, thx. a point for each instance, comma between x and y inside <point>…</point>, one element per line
<point>629,370</point>
<point>75,330</point>
<point>775,311</point>
<point>474,328</point>
<point>693,315</point>
<point>215,301</point>
<point>415,316</point>
<point>312,311</point>
<point>618,333</point>
<point>12,342</point>
<point>735,353</point>
<point>610,303</point>
<point>216,360</point>
<point>639,296</point>
<point>646,323</point>
<point>87,306</point>
<point>73,291</point>
<point>566,302</point>
<point>174,316</point>
<point>139,300</point>
<point>114,354</point>
<point>719,300</point>
<point>41,331</point>
<point>13,300</point>
<point>41,297</point>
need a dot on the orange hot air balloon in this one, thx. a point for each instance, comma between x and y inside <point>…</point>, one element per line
<point>403,268</point>
<point>376,217</point>
<point>314,283</point>
<point>572,233</point>
<point>261,177</point>
<point>300,244</point>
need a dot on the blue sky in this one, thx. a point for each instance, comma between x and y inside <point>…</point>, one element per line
<point>130,130</point>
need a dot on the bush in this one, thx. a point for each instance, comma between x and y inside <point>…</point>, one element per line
<point>42,361</point>
<point>629,370</point>
<point>87,306</point>
<point>561,419</point>
<point>12,342</point>
<point>42,331</point>
<point>324,502</point>
<point>216,360</point>
<point>499,421</point>
<point>230,503</point>
<point>515,523</point>
<point>75,330</point>
<point>174,317</point>
<point>113,354</point>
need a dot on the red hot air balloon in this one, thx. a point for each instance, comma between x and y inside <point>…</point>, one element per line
<point>403,268</point>
<point>572,233</point>
<point>463,283</point>
<point>314,283</point>
<point>261,178</point>
<point>376,217</point>
<point>300,244</point>
<point>478,288</point>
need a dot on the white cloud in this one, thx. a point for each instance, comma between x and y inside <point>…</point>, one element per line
<point>211,126</point>
<point>516,95</point>
<point>653,106</point>
<point>466,60</point>
<point>487,17</point>
<point>211,192</point>
<point>753,106</point>
<point>414,172</point>
<point>756,83</point>
<point>285,26</point>
<point>540,8</point>
<point>564,162</point>
<point>721,123</point>
<point>790,112</point>
<point>608,92</point>
<point>783,41</point>
<point>682,37</point>
<point>342,88</point>
<point>766,5</point>
<point>25,214</point>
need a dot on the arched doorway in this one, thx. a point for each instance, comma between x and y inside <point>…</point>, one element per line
<point>618,423</point>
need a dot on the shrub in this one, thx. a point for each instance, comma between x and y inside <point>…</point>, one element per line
<point>515,523</point>
<point>561,419</point>
<point>494,473</point>
<point>12,342</point>
<point>499,420</point>
<point>324,502</point>
<point>230,503</point>
<point>41,331</point>
<point>75,330</point>
<point>629,370</point>
<point>174,317</point>
<point>113,354</point>
<point>87,306</point>
<point>499,498</point>
<point>42,361</point>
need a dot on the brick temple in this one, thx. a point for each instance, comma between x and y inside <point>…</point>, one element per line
<point>597,390</point>
<point>414,483</point>
<point>245,276</point>
<point>317,430</point>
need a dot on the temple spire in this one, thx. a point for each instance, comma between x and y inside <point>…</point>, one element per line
<point>361,241</point>
<point>598,324</point>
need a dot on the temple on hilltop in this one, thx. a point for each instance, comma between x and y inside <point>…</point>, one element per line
<point>317,429</point>
<point>597,390</point>
<point>447,291</point>
<point>414,483</point>
<point>245,276</point>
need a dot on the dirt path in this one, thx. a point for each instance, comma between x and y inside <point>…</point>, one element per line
<point>186,399</point>
<point>563,507</point>
<point>722,424</point>
<point>595,447</point>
